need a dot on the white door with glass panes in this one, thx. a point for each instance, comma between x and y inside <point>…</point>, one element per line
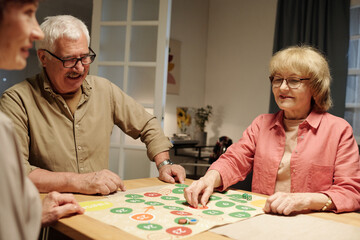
<point>131,39</point>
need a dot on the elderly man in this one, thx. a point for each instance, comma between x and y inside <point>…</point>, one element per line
<point>64,117</point>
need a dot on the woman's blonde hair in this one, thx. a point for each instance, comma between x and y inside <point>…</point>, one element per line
<point>308,62</point>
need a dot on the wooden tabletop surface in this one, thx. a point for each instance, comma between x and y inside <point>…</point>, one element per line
<point>85,227</point>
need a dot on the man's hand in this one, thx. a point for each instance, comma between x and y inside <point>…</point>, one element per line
<point>102,182</point>
<point>56,206</point>
<point>169,173</point>
<point>172,173</point>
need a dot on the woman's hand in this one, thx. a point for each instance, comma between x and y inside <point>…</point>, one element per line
<point>56,205</point>
<point>287,203</point>
<point>201,190</point>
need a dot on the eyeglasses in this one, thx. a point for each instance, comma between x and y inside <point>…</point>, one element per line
<point>292,82</point>
<point>71,62</point>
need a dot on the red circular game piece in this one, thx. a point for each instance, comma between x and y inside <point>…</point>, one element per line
<point>179,231</point>
<point>181,213</point>
<point>152,194</point>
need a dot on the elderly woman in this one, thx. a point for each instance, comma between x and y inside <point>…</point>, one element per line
<point>21,211</point>
<point>302,156</point>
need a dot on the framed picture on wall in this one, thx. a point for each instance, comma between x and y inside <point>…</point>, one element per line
<point>173,78</point>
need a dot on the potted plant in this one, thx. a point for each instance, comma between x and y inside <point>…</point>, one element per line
<point>202,116</point>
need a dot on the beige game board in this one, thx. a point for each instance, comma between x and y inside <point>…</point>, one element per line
<point>155,214</point>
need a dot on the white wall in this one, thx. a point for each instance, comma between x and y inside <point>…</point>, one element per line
<point>189,25</point>
<point>240,42</point>
<point>235,38</point>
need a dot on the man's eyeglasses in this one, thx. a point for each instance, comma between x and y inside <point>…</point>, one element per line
<point>292,82</point>
<point>71,62</point>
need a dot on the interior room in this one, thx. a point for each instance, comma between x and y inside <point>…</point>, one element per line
<point>130,146</point>
<point>225,47</point>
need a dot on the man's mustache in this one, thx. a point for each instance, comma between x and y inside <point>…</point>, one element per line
<point>75,74</point>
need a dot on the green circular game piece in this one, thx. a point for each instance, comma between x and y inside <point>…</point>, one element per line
<point>238,200</point>
<point>235,195</point>
<point>178,190</point>
<point>214,198</point>
<point>169,198</point>
<point>173,208</point>
<point>213,212</point>
<point>240,214</point>
<point>181,185</point>
<point>149,226</point>
<point>224,204</point>
<point>121,210</point>
<point>154,203</point>
<point>134,196</point>
<point>245,208</point>
<point>134,200</point>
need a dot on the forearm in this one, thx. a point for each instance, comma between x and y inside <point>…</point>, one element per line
<point>47,181</point>
<point>159,158</point>
<point>214,177</point>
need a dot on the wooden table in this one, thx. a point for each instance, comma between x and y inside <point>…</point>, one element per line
<point>84,227</point>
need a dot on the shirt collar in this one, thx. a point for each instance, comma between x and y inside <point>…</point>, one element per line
<point>313,119</point>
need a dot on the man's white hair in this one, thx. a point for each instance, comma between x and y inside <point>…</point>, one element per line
<point>59,26</point>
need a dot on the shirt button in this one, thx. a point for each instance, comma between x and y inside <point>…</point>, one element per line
<point>79,147</point>
<point>302,137</point>
<point>81,169</point>
<point>77,126</point>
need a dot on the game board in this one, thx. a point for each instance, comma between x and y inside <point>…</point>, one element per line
<point>156,214</point>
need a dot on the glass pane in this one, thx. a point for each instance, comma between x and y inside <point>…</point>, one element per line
<point>141,84</point>
<point>145,10</point>
<point>354,21</point>
<point>114,10</point>
<point>143,43</point>
<point>113,73</point>
<point>354,54</point>
<point>349,116</point>
<point>356,123</point>
<point>114,159</point>
<point>112,43</point>
<point>137,164</point>
<point>351,89</point>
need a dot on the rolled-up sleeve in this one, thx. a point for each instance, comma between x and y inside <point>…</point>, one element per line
<point>132,118</point>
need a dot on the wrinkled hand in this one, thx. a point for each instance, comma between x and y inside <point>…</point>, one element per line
<point>102,182</point>
<point>172,173</point>
<point>56,206</point>
<point>286,203</point>
<point>201,190</point>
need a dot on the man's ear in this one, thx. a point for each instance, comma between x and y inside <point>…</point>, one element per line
<point>41,55</point>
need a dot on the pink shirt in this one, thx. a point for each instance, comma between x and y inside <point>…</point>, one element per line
<point>325,160</point>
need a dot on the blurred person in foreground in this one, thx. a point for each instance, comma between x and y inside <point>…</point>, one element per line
<point>21,211</point>
<point>304,158</point>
